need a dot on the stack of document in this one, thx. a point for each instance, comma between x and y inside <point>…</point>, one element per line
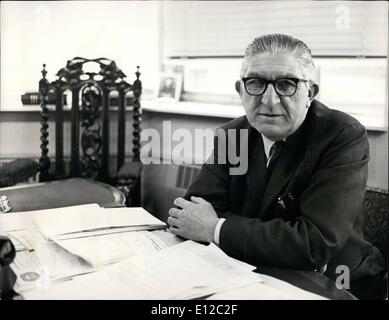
<point>184,271</point>
<point>100,250</point>
<point>88,252</point>
<point>81,220</point>
<point>91,220</point>
<point>102,236</point>
<point>44,265</point>
<point>50,262</point>
<point>57,244</point>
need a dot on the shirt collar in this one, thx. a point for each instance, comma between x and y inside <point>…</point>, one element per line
<point>267,143</point>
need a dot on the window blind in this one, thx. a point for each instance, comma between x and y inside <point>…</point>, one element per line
<point>224,28</point>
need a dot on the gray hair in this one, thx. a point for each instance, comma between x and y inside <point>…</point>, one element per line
<point>279,43</point>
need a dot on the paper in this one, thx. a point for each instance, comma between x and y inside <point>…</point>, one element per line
<point>92,217</point>
<point>168,238</point>
<point>28,272</point>
<point>270,289</point>
<point>235,281</point>
<point>45,263</point>
<point>21,239</point>
<point>63,216</point>
<point>136,216</point>
<point>105,249</point>
<point>69,219</point>
<point>89,218</point>
<point>237,273</point>
<point>289,289</point>
<point>100,232</point>
<point>169,274</point>
<point>59,262</point>
<point>15,221</point>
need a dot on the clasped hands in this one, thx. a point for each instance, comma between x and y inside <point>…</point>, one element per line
<point>194,220</point>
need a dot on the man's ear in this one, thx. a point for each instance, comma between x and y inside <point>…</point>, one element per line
<point>238,87</point>
<point>313,91</point>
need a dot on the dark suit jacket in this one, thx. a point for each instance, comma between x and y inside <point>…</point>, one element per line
<point>309,213</point>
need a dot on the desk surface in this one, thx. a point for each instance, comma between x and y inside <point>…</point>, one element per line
<point>307,280</point>
<point>310,281</point>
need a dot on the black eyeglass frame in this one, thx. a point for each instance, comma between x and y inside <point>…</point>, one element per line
<point>273,82</point>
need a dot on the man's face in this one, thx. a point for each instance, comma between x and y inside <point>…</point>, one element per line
<point>275,116</point>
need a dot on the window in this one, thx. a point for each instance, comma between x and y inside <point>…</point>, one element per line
<point>224,28</point>
<point>348,39</point>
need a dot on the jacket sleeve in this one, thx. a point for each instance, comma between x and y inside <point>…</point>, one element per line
<point>328,209</point>
<point>213,181</point>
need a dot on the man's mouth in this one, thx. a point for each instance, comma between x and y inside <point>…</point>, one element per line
<point>270,115</point>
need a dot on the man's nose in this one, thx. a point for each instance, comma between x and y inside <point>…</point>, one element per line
<point>270,97</point>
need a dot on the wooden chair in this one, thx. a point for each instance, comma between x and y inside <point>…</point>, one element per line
<point>91,108</point>
<point>375,230</point>
<point>375,214</point>
<point>17,171</point>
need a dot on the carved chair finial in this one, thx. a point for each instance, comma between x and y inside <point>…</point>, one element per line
<point>137,73</point>
<point>44,72</point>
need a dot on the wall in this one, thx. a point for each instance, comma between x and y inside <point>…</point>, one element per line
<point>52,32</point>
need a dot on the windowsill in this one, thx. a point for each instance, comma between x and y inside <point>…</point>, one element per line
<point>194,108</point>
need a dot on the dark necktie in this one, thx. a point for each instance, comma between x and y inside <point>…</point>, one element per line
<point>274,154</point>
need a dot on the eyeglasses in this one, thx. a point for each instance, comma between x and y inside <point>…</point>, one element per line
<point>284,87</point>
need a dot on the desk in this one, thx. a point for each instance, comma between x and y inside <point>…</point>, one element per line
<point>310,281</point>
<point>307,280</point>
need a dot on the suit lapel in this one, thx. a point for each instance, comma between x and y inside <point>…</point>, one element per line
<point>291,157</point>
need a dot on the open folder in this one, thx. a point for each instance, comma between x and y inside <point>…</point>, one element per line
<point>90,220</point>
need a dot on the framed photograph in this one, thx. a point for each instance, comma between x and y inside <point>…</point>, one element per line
<point>169,87</point>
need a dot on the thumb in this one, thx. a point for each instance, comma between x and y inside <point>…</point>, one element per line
<point>197,200</point>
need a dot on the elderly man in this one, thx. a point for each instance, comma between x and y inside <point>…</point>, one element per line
<point>299,205</point>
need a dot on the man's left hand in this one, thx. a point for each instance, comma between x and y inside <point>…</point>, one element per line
<point>194,220</point>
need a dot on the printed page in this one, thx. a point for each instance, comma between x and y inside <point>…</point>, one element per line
<point>165,275</point>
<point>44,263</point>
<point>263,291</point>
<point>105,249</point>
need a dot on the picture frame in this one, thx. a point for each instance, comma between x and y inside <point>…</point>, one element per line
<point>169,87</point>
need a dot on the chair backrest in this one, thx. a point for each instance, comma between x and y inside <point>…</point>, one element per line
<point>375,226</point>
<point>91,96</point>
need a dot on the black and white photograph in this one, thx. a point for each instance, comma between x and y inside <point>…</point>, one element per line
<point>170,85</point>
<point>189,156</point>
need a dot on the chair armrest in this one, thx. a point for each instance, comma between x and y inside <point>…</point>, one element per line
<point>128,181</point>
<point>62,193</point>
<point>16,171</point>
<point>130,170</point>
